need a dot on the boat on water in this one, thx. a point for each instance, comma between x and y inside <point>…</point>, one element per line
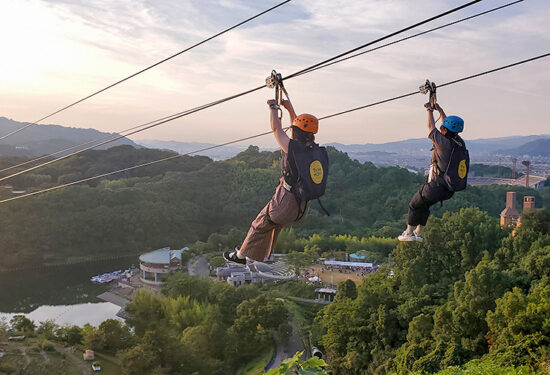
<point>112,276</point>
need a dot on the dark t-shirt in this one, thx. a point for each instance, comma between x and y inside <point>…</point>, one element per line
<point>441,153</point>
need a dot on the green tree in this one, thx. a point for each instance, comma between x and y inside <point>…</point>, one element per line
<point>256,321</point>
<point>146,310</point>
<point>47,329</point>
<point>347,289</point>
<point>519,327</point>
<point>20,323</point>
<point>296,365</point>
<point>92,338</point>
<point>115,335</point>
<point>71,335</point>
<point>139,360</point>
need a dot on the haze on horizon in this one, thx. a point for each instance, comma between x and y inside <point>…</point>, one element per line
<point>55,52</point>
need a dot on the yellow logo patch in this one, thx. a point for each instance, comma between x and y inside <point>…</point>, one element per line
<point>316,172</point>
<point>462,170</point>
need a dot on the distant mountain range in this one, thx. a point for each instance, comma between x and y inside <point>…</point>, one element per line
<point>220,153</point>
<point>539,147</point>
<point>39,140</point>
<point>418,146</point>
<point>414,153</point>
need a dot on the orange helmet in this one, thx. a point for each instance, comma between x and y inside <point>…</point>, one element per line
<point>307,123</point>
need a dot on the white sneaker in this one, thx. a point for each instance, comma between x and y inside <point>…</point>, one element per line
<point>418,237</point>
<point>406,236</point>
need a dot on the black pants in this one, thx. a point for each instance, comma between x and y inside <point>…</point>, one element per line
<point>428,195</point>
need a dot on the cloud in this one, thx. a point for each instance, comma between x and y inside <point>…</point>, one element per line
<point>84,45</point>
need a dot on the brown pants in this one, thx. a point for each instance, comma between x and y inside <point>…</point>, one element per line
<point>280,211</point>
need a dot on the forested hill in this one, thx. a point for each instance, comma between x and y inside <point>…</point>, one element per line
<point>193,199</point>
<point>539,147</point>
<point>40,140</point>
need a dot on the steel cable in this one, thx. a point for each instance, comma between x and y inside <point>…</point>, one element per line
<point>269,132</point>
<point>146,69</point>
<point>413,36</point>
<point>312,68</point>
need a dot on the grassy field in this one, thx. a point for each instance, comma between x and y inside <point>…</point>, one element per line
<point>257,366</point>
<point>109,364</point>
<point>29,357</point>
<point>335,277</point>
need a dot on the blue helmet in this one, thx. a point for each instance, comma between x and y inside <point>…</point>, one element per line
<point>454,124</point>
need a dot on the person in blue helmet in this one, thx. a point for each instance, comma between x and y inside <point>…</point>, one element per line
<point>436,189</point>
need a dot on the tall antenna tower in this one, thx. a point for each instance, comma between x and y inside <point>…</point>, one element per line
<point>527,163</point>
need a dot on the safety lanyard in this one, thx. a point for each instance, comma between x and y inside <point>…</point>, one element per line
<point>275,80</point>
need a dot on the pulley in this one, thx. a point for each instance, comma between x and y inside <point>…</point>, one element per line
<point>275,80</point>
<point>429,87</point>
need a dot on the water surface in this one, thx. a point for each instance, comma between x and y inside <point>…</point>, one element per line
<point>25,291</point>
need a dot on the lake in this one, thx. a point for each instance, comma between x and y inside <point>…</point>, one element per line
<point>65,291</point>
<point>79,314</point>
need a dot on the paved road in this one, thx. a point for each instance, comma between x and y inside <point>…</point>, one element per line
<point>287,350</point>
<point>113,298</point>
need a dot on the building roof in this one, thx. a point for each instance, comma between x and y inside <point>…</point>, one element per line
<point>357,256</point>
<point>326,290</point>
<point>347,264</point>
<point>162,256</point>
<point>534,181</point>
<point>509,212</point>
<point>230,270</point>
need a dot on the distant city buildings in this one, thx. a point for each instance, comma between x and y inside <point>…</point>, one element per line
<point>534,182</point>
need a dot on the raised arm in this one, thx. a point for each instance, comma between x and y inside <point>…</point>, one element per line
<point>431,121</point>
<point>288,106</point>
<point>282,139</point>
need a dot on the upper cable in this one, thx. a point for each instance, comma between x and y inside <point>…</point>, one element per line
<point>270,132</point>
<point>145,69</point>
<point>309,69</point>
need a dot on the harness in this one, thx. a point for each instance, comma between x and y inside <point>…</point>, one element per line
<point>288,187</point>
<point>275,80</point>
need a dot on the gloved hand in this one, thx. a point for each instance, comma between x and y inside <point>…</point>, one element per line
<point>272,103</point>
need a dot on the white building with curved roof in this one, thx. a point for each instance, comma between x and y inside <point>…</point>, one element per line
<point>155,264</point>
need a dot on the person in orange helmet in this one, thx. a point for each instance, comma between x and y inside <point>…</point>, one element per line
<point>289,203</point>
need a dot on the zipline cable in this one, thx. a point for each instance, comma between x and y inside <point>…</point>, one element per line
<point>193,110</point>
<point>136,166</point>
<point>382,38</point>
<point>147,68</point>
<point>266,133</point>
<point>153,124</point>
<point>413,36</point>
<point>74,147</point>
<point>439,86</point>
<point>103,141</point>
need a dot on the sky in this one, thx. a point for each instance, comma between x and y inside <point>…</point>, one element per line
<point>55,52</point>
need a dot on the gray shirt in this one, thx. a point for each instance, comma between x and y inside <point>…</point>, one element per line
<point>441,153</point>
